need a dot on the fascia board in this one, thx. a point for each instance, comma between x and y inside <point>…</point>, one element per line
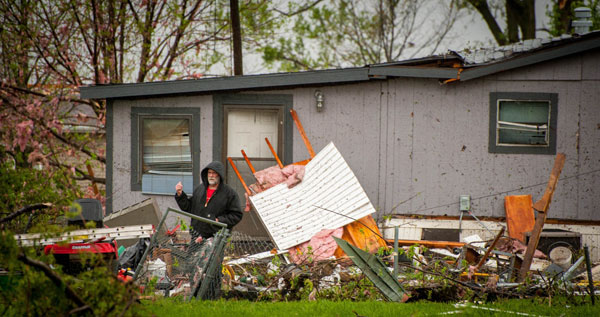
<point>223,84</point>
<point>412,71</point>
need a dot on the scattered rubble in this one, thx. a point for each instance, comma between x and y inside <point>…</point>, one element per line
<point>328,246</point>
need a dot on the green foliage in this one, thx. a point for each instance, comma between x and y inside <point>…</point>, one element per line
<point>27,291</point>
<point>21,187</point>
<point>560,18</point>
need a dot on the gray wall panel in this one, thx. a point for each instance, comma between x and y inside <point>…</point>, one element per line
<point>589,152</point>
<point>422,143</point>
<point>590,69</point>
<point>350,119</point>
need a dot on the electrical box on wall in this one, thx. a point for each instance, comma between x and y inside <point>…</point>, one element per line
<point>465,202</point>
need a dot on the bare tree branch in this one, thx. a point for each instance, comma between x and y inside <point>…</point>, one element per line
<point>25,209</point>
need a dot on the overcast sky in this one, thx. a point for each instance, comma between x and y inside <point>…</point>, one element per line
<point>473,31</point>
<point>469,32</point>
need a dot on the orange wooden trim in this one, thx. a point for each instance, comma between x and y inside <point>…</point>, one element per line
<point>274,154</point>
<point>427,243</point>
<point>311,152</point>
<point>248,162</point>
<point>238,175</point>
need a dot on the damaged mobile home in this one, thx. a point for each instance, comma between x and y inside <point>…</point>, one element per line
<point>418,134</point>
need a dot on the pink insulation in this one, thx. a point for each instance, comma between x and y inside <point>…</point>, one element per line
<point>320,247</point>
<point>271,176</point>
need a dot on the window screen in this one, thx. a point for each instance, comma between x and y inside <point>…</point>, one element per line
<point>523,123</point>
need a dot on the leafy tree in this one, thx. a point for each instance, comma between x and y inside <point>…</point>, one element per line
<point>20,187</point>
<point>50,48</point>
<point>33,287</point>
<point>562,13</point>
<point>519,17</point>
<point>351,32</point>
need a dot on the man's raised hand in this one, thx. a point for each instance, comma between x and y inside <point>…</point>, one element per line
<point>179,188</point>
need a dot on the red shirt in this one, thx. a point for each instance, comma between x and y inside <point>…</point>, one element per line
<point>209,193</point>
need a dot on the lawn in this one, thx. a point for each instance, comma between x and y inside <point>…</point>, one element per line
<point>535,307</point>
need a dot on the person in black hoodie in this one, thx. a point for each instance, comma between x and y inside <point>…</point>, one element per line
<point>213,199</point>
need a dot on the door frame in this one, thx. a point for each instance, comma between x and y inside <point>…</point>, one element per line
<point>253,101</point>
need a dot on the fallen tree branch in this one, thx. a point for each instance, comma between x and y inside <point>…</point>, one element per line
<point>57,280</point>
<point>476,288</point>
<point>25,210</point>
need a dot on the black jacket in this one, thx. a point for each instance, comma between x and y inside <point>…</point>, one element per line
<point>224,204</point>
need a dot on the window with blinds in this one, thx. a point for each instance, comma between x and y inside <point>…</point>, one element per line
<point>166,154</point>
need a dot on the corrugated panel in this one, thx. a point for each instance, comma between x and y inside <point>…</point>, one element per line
<point>329,197</point>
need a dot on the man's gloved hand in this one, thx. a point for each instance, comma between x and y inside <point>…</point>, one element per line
<point>179,188</point>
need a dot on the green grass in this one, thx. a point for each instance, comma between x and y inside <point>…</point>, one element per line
<point>536,307</point>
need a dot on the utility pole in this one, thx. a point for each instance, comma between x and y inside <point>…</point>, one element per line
<point>238,68</point>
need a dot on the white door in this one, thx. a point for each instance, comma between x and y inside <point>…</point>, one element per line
<point>246,129</point>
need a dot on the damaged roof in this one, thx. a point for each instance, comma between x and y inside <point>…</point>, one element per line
<point>454,65</point>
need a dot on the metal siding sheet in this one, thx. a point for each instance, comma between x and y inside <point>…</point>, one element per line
<point>292,215</point>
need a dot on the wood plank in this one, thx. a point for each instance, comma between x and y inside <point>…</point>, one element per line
<point>430,244</point>
<point>542,207</point>
<point>519,215</point>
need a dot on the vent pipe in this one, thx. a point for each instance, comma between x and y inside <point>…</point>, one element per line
<point>582,22</point>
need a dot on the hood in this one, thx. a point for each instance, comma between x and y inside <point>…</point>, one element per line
<point>215,166</point>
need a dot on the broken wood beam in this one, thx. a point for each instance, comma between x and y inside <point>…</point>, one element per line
<point>274,153</point>
<point>542,207</point>
<point>311,152</point>
<point>489,250</point>
<point>239,175</point>
<point>429,243</point>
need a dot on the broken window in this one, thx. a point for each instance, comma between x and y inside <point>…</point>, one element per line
<point>523,123</point>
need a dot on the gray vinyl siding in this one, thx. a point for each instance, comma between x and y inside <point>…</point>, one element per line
<point>416,145</point>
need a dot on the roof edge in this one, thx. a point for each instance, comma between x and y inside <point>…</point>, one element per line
<point>534,58</point>
<point>221,84</point>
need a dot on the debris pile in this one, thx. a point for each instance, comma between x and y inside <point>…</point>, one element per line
<point>325,244</point>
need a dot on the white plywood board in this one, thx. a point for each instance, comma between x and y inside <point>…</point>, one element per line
<point>328,197</point>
